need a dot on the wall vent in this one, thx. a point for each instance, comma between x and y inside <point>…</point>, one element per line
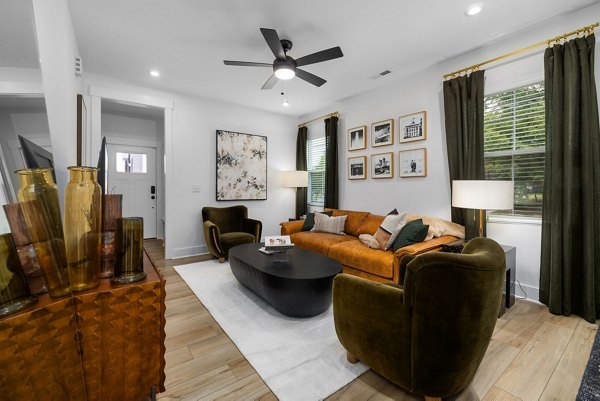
<point>384,72</point>
<point>78,67</point>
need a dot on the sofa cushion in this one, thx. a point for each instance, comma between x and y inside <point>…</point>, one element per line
<point>318,242</point>
<point>353,222</point>
<point>309,221</point>
<point>327,224</point>
<point>356,255</point>
<point>370,224</point>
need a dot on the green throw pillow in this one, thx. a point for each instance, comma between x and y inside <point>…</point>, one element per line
<point>412,233</point>
<point>309,222</point>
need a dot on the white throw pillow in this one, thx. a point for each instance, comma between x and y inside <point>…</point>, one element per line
<point>326,224</point>
<point>389,229</point>
<point>369,241</point>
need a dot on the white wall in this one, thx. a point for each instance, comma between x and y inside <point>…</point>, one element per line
<point>57,48</point>
<point>194,123</point>
<point>423,91</point>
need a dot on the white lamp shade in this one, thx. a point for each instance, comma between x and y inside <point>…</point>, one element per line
<point>295,179</point>
<point>480,194</point>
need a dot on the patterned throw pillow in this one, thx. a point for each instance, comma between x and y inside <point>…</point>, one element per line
<point>326,224</point>
<point>309,221</point>
<point>389,229</point>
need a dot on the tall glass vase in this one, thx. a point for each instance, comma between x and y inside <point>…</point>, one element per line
<point>14,291</point>
<point>38,196</point>
<point>83,227</point>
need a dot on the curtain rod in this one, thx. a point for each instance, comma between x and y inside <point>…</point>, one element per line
<point>334,114</point>
<point>587,30</point>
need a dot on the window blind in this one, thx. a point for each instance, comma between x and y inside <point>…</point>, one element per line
<point>315,158</point>
<point>514,144</point>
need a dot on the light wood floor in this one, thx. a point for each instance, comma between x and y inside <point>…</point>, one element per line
<point>533,355</point>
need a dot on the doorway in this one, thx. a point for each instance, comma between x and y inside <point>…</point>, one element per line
<point>131,171</point>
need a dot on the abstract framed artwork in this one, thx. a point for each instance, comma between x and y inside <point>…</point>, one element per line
<point>413,163</point>
<point>357,138</point>
<point>241,166</point>
<point>382,165</point>
<point>357,168</point>
<point>413,127</point>
<point>382,133</point>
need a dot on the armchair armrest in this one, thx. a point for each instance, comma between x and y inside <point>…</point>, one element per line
<point>253,227</point>
<point>212,236</point>
<point>434,244</point>
<point>372,321</point>
<point>291,227</point>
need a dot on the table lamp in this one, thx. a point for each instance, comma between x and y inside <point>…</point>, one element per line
<point>483,194</point>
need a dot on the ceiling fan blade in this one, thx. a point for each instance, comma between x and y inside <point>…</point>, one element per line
<point>246,63</point>
<point>323,55</point>
<point>270,82</point>
<point>310,78</point>
<point>274,42</point>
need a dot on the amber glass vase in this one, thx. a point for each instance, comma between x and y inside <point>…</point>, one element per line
<point>83,227</point>
<point>38,196</point>
<point>14,291</point>
<point>111,211</point>
<point>129,248</point>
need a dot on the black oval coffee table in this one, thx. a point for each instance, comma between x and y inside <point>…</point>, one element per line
<point>299,286</point>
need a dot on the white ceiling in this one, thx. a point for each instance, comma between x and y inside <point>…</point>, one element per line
<point>187,41</point>
<point>18,47</point>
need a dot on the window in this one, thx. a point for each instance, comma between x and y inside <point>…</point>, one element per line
<point>315,157</point>
<point>130,162</point>
<point>514,145</point>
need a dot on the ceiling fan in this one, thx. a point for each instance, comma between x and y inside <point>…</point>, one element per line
<point>284,66</point>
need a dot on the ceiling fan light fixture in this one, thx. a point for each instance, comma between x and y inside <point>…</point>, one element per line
<point>285,73</point>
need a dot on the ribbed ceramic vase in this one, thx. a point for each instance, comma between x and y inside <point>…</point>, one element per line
<point>83,227</point>
<point>38,196</point>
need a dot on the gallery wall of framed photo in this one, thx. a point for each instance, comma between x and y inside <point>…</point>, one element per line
<point>388,153</point>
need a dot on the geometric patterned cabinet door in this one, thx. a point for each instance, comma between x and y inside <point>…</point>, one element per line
<point>119,332</point>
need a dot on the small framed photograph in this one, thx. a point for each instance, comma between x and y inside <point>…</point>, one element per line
<point>382,165</point>
<point>413,127</point>
<point>357,168</point>
<point>382,133</point>
<point>357,138</point>
<point>413,163</point>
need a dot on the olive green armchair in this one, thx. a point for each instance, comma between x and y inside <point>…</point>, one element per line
<point>429,335</point>
<point>226,227</point>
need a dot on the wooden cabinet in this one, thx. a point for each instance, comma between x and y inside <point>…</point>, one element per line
<point>103,344</point>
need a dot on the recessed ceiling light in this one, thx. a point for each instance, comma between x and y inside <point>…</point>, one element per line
<point>474,9</point>
<point>155,73</point>
<point>285,103</point>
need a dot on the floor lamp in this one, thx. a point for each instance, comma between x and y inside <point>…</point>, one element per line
<point>483,194</point>
<point>295,179</point>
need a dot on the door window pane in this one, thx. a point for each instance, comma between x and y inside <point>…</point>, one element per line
<point>130,162</point>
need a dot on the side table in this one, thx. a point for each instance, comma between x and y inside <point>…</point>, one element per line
<point>508,294</point>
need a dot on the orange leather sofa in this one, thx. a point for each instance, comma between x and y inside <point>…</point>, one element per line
<point>357,258</point>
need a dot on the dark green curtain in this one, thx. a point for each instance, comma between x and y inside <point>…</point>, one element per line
<point>463,109</point>
<point>331,163</point>
<point>301,202</point>
<point>570,263</point>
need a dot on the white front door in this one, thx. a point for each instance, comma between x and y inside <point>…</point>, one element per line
<point>132,172</point>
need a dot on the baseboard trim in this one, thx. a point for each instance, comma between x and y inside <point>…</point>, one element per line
<point>532,293</point>
<point>179,253</point>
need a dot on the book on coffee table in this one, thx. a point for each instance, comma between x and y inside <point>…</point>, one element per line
<point>278,243</point>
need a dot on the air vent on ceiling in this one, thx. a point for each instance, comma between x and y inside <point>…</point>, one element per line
<point>384,72</point>
<point>78,67</point>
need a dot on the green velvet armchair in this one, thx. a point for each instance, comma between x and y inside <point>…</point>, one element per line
<point>429,335</point>
<point>226,227</point>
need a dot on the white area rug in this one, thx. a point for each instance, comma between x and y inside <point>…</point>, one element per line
<point>299,359</point>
